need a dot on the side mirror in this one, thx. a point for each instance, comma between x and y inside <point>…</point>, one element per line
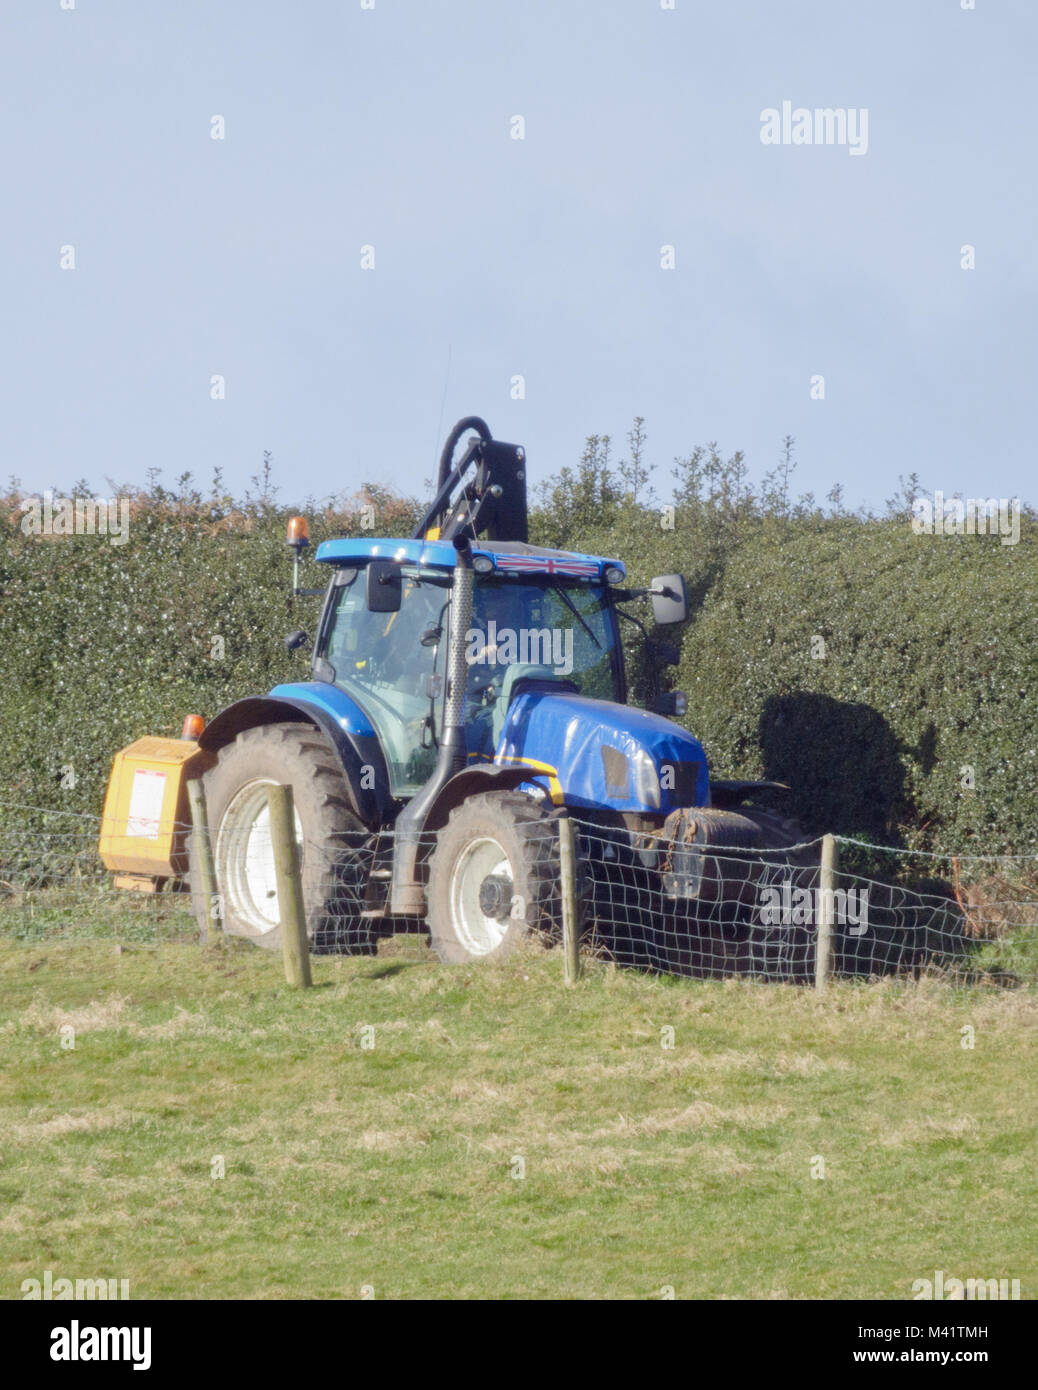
<point>670,703</point>
<point>669,599</point>
<point>297,639</point>
<point>384,587</point>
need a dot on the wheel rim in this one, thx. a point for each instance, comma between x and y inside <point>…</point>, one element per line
<point>478,933</point>
<point>245,870</point>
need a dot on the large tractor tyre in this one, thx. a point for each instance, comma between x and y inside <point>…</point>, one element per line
<point>494,878</point>
<point>334,845</point>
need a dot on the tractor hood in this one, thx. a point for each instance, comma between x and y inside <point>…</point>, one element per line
<point>611,757</point>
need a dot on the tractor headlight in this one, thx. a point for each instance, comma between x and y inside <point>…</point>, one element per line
<point>482,564</point>
<point>614,574</point>
<point>646,779</point>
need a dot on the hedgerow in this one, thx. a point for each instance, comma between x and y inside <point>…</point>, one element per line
<point>106,642</point>
<point>890,679</point>
<point>876,671</point>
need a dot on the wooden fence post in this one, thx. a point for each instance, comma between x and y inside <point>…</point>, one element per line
<point>826,886</point>
<point>204,857</point>
<point>294,944</point>
<point>568,893</point>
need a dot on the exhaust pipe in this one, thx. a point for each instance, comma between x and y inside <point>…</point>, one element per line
<point>407,897</point>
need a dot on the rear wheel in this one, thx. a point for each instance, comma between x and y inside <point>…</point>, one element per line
<point>494,878</point>
<point>334,845</point>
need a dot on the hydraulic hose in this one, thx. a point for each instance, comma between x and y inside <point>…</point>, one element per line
<point>470,422</point>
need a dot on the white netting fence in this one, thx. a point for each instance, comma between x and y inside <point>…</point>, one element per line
<point>710,912</point>
<point>643,901</point>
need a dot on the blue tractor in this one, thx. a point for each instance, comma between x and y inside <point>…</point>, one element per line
<point>466,689</point>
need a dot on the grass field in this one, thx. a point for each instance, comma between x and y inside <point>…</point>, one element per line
<point>393,1167</point>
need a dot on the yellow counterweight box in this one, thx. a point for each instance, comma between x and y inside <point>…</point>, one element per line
<point>146,814</point>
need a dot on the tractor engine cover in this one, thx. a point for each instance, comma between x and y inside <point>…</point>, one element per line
<point>607,756</point>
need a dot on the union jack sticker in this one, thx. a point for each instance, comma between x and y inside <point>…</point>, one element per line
<point>528,564</point>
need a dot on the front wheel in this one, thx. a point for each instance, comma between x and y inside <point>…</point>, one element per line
<point>494,878</point>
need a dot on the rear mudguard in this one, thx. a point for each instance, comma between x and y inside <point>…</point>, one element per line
<point>342,723</point>
<point>483,777</point>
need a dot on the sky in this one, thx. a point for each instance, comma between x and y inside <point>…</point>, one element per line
<point>390,124</point>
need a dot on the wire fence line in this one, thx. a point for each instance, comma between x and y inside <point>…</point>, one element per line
<point>757,913</point>
<point>644,901</point>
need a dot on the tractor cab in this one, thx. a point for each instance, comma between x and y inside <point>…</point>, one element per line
<point>540,621</point>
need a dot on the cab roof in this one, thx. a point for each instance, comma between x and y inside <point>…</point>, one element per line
<point>510,557</point>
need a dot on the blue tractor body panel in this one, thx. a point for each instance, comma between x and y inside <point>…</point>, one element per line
<point>343,723</point>
<point>603,756</point>
<point>331,701</point>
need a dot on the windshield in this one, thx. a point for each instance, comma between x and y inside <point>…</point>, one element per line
<point>566,628</point>
<point>526,634</point>
<point>522,635</point>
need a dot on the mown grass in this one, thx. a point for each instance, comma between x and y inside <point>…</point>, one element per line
<point>391,1168</point>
